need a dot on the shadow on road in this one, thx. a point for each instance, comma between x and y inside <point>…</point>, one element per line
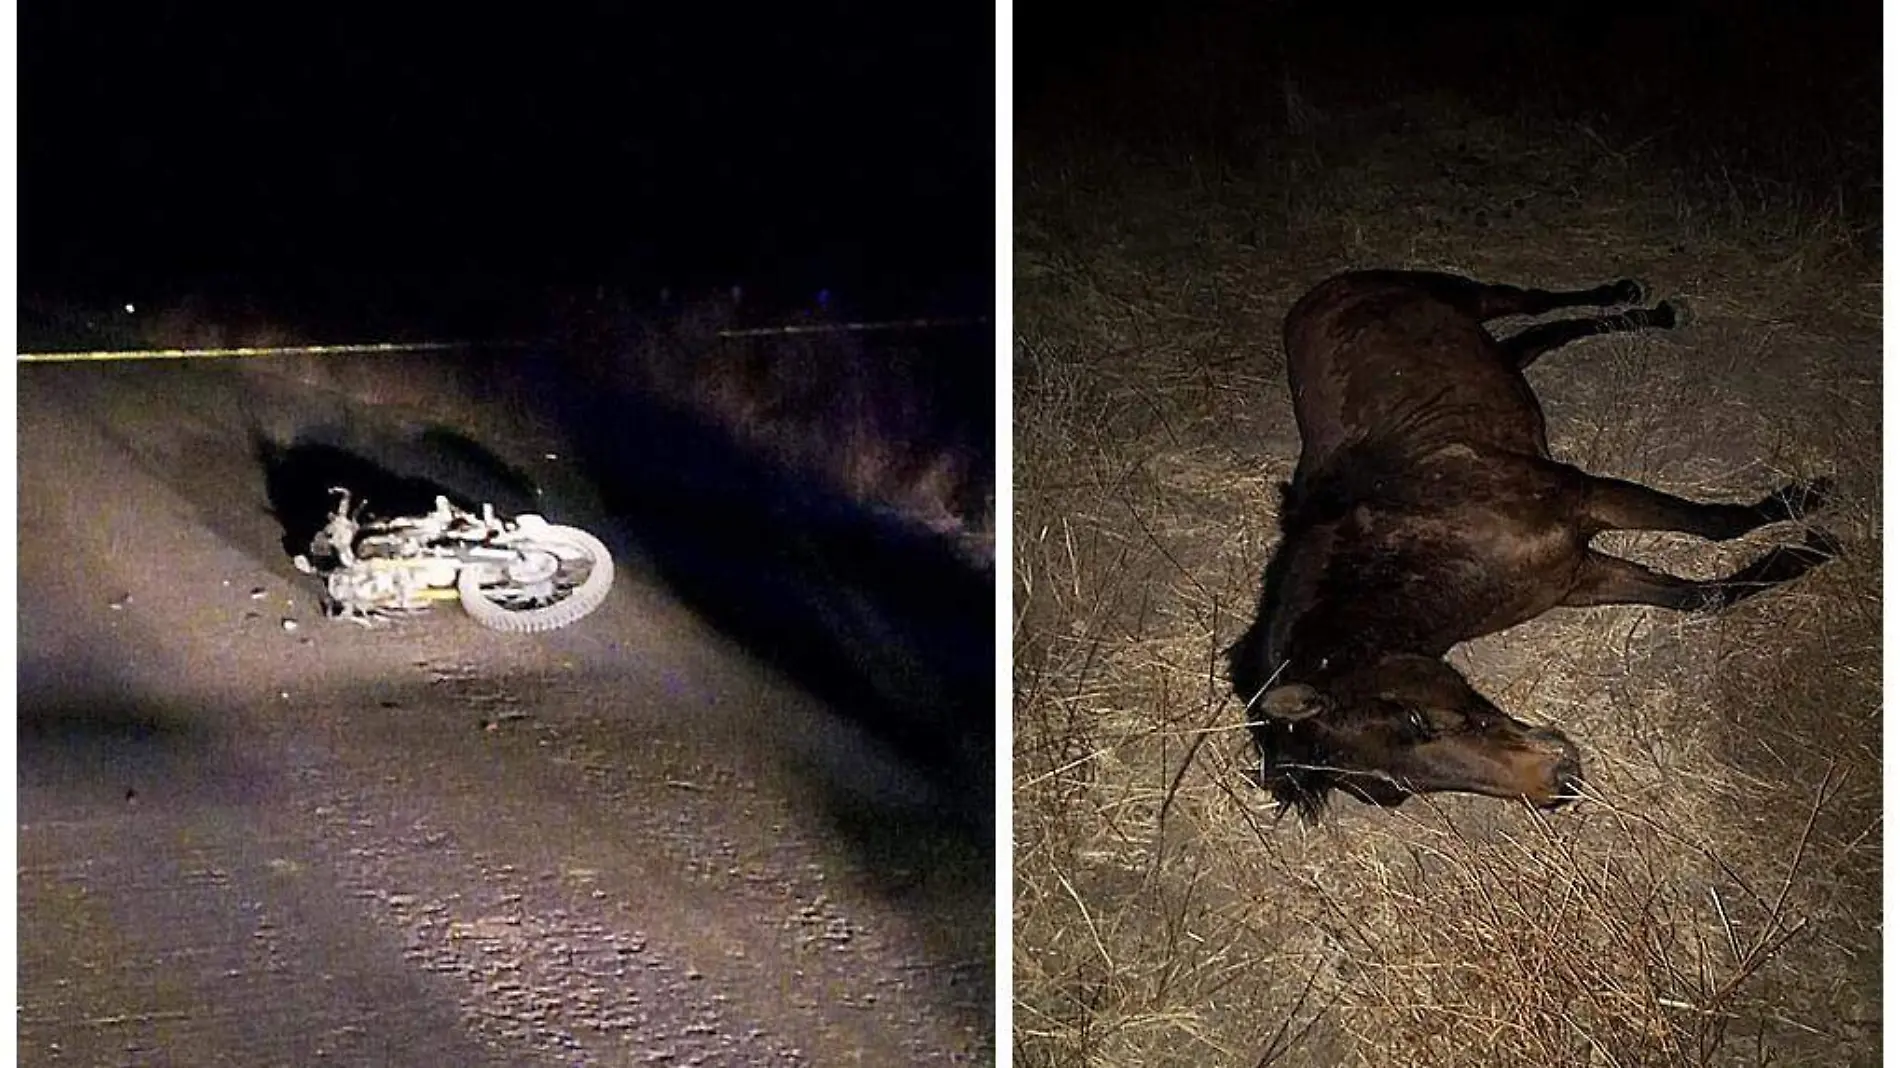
<point>90,742</point>
<point>882,621</point>
<point>387,482</point>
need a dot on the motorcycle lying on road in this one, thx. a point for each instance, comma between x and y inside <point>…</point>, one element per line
<point>520,576</point>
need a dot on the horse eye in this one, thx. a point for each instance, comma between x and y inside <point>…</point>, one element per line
<point>1417,721</point>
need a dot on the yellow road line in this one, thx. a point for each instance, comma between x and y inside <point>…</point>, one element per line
<point>377,348</point>
<point>255,350</point>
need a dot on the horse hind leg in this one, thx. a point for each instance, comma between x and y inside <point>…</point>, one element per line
<point>1485,301</point>
<point>1525,347</point>
<point>1606,579</point>
<point>1613,504</point>
<point>1488,301</point>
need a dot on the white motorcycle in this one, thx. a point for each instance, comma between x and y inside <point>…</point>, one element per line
<point>521,576</point>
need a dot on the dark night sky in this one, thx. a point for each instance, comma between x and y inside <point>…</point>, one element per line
<point>298,154</point>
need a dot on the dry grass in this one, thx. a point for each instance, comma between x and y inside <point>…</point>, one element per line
<point>869,413</point>
<point>1715,901</point>
<point>893,421</point>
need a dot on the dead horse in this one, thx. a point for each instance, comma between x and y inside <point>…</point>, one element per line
<point>1426,511</point>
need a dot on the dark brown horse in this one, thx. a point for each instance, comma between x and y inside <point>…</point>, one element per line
<point>1426,511</point>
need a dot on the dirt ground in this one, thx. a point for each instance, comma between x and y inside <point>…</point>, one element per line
<point>1715,900</point>
<point>249,835</point>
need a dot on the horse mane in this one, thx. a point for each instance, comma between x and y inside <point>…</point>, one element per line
<point>1375,471</point>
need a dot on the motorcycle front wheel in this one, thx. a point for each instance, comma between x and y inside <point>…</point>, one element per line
<point>498,602</point>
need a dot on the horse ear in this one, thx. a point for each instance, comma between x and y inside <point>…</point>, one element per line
<point>1293,702</point>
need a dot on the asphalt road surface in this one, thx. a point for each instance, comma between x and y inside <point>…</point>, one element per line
<point>253,836</point>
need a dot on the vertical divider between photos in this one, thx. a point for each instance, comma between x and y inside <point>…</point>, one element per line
<point>1004,554</point>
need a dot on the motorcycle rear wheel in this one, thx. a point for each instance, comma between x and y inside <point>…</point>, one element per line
<point>578,602</point>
